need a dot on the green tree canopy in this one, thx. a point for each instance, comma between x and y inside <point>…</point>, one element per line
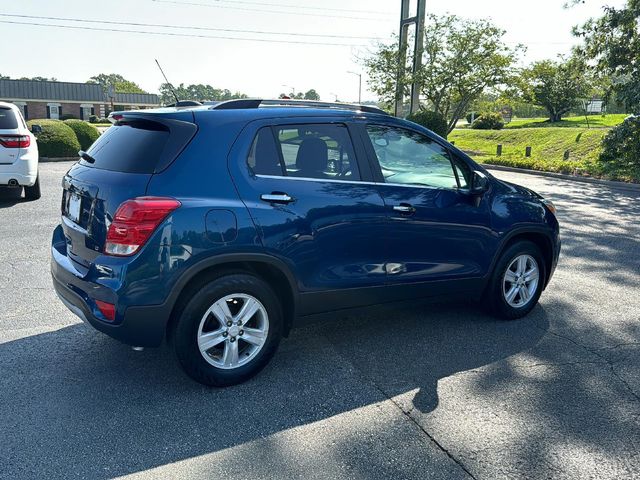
<point>119,83</point>
<point>199,92</point>
<point>311,95</point>
<point>556,86</point>
<point>612,44</point>
<point>461,59</point>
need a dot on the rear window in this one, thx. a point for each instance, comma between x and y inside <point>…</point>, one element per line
<point>8,119</point>
<point>131,147</point>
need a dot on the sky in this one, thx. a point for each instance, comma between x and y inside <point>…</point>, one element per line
<point>338,34</point>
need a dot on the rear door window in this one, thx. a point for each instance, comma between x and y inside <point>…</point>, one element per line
<point>322,151</point>
<point>131,147</point>
<point>8,120</point>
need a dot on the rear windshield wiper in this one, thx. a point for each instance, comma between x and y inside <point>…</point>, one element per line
<point>85,156</point>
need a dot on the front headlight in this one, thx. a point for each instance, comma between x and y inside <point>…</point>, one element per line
<point>549,204</point>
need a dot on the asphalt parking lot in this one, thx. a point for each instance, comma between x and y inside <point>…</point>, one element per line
<point>440,391</point>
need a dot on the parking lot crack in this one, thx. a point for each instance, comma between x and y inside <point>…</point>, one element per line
<point>605,360</point>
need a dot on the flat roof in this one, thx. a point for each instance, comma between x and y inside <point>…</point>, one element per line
<point>69,91</point>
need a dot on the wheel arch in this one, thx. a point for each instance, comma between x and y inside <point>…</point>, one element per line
<point>269,268</point>
<point>538,236</point>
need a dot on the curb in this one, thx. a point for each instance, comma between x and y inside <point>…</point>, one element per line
<point>635,187</point>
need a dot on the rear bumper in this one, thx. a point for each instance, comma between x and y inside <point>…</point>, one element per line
<point>142,326</point>
<point>139,328</point>
<point>24,170</point>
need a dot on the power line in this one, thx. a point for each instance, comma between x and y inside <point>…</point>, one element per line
<point>190,27</point>
<point>175,34</point>
<point>279,12</point>
<point>375,12</point>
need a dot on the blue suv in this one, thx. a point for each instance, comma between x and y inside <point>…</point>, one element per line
<point>221,227</point>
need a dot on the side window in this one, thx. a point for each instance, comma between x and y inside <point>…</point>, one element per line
<point>317,151</point>
<point>463,171</point>
<point>409,158</point>
<point>263,157</point>
<point>320,151</point>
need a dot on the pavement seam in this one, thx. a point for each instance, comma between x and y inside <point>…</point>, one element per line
<point>405,414</point>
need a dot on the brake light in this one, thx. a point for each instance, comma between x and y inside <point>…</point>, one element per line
<point>108,310</point>
<point>15,141</point>
<point>134,223</point>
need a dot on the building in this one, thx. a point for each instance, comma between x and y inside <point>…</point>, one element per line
<point>55,99</point>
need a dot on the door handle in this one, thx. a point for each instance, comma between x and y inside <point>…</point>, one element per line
<point>276,197</point>
<point>405,209</point>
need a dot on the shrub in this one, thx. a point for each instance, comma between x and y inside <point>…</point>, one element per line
<point>86,133</point>
<point>56,139</point>
<point>620,155</point>
<point>93,119</point>
<point>431,120</point>
<point>469,116</point>
<point>67,116</point>
<point>488,121</point>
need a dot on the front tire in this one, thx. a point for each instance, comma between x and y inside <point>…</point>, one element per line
<point>517,281</point>
<point>33,192</point>
<point>228,331</point>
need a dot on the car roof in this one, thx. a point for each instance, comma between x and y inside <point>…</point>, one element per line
<point>258,108</point>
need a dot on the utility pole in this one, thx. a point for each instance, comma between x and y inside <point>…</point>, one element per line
<point>405,22</point>
<point>359,85</point>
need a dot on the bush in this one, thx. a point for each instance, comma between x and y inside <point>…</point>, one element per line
<point>620,155</point>
<point>67,116</point>
<point>93,119</point>
<point>431,120</point>
<point>86,134</point>
<point>56,139</point>
<point>469,116</point>
<point>488,121</point>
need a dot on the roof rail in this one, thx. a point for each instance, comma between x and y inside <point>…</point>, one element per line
<point>244,103</point>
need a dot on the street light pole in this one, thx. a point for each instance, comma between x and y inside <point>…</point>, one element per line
<point>359,84</point>
<point>293,90</point>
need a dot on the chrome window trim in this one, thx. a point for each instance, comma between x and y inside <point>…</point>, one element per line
<point>405,185</point>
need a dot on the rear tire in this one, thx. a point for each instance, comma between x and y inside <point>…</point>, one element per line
<point>33,192</point>
<point>517,281</point>
<point>228,330</point>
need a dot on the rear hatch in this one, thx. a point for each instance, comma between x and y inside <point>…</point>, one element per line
<point>8,135</point>
<point>118,167</point>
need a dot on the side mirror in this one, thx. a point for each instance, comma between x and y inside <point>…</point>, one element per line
<point>480,183</point>
<point>36,129</point>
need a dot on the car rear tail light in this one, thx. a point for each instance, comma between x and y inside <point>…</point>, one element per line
<point>108,310</point>
<point>15,141</point>
<point>134,223</point>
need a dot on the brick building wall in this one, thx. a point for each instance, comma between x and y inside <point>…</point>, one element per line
<point>39,109</point>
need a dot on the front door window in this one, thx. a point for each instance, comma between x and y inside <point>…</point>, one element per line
<point>409,158</point>
<point>54,112</point>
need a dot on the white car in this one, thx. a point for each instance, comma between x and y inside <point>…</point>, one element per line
<point>18,152</point>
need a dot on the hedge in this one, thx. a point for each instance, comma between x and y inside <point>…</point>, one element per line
<point>488,121</point>
<point>86,133</point>
<point>56,139</point>
<point>431,120</point>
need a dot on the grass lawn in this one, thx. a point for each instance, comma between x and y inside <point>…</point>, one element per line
<point>594,121</point>
<point>548,146</point>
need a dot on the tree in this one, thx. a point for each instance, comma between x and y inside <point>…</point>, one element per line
<point>199,93</point>
<point>462,59</point>
<point>612,43</point>
<point>556,86</point>
<point>117,81</point>
<point>39,79</point>
<point>311,95</point>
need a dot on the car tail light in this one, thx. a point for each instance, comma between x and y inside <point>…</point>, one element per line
<point>108,310</point>
<point>134,223</point>
<point>15,141</point>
